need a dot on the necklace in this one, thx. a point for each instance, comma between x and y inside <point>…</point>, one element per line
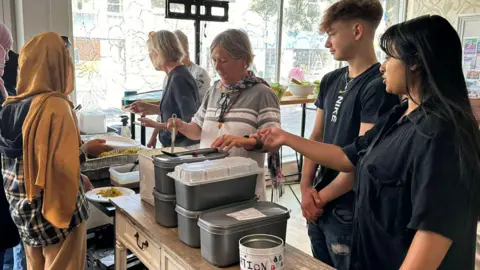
<point>348,80</point>
<point>226,103</point>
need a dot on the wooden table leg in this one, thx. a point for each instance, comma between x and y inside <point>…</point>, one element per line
<point>120,256</point>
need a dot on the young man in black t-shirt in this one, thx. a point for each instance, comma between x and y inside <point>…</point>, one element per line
<point>350,101</point>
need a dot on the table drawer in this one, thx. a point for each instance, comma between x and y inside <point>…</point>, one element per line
<point>169,263</point>
<point>139,243</point>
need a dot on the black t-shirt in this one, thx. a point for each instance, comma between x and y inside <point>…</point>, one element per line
<point>408,179</point>
<point>181,98</point>
<point>10,73</point>
<point>345,107</point>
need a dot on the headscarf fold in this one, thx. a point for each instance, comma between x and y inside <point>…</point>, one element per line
<point>50,135</point>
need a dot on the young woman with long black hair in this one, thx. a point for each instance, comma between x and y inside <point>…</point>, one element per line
<point>418,168</point>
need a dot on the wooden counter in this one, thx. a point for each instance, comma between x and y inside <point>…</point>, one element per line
<point>159,248</point>
<point>292,100</point>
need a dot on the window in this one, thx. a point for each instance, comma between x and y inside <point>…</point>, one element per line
<point>111,55</point>
<point>158,7</point>
<point>111,52</point>
<point>158,4</point>
<point>303,47</point>
<point>115,6</point>
<point>259,21</point>
<point>84,6</point>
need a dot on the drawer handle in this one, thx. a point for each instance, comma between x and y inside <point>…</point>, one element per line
<point>144,244</point>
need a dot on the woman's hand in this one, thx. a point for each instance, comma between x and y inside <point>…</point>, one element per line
<point>273,138</point>
<point>153,142</point>
<point>144,108</point>
<point>178,123</point>
<point>227,142</point>
<point>95,147</point>
<point>147,122</point>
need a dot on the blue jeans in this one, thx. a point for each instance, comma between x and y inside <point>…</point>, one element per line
<point>331,237</point>
<point>15,258</point>
<point>2,254</point>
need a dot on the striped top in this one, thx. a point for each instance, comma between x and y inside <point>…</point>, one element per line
<point>256,108</point>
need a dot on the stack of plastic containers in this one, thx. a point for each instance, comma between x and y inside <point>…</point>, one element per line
<point>164,192</point>
<point>211,185</point>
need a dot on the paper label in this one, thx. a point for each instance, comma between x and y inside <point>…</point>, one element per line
<point>247,214</point>
<point>272,262</point>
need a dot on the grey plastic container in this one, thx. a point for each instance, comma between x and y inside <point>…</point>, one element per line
<point>201,197</point>
<point>165,214</point>
<point>188,230</point>
<point>165,164</point>
<point>219,233</point>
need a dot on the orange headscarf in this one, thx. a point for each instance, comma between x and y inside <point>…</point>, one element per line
<point>50,135</point>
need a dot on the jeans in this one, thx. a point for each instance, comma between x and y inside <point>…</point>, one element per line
<point>331,237</point>
<point>2,255</point>
<point>15,258</point>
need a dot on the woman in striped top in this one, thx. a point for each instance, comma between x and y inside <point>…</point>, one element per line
<point>236,105</point>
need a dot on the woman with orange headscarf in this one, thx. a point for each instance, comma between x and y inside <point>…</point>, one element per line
<point>38,141</point>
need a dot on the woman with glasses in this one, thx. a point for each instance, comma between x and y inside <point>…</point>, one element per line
<point>417,170</point>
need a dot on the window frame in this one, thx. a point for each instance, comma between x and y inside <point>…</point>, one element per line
<point>280,22</point>
<point>119,5</point>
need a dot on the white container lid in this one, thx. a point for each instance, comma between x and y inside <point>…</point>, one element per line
<point>92,122</point>
<point>210,171</point>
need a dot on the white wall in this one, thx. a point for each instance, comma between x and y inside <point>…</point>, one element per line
<point>35,16</point>
<point>7,16</point>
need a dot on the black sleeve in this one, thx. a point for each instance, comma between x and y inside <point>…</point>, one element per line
<point>82,157</point>
<point>376,101</point>
<point>439,200</point>
<point>322,92</point>
<point>185,96</point>
<point>356,149</point>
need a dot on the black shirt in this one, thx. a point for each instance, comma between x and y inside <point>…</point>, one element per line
<point>181,98</point>
<point>10,73</point>
<point>408,179</point>
<point>11,122</point>
<point>345,108</point>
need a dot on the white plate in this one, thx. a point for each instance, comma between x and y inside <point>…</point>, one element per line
<point>92,194</point>
<point>117,142</point>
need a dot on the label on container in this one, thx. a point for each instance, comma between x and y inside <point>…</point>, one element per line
<point>252,262</point>
<point>247,214</point>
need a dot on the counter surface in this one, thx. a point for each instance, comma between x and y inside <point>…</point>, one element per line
<point>159,248</point>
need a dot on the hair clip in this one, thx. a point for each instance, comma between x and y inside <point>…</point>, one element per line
<point>151,34</point>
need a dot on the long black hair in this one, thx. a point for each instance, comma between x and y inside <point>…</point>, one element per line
<point>430,48</point>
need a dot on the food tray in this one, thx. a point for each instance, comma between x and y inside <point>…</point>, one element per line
<point>98,168</point>
<point>107,162</point>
